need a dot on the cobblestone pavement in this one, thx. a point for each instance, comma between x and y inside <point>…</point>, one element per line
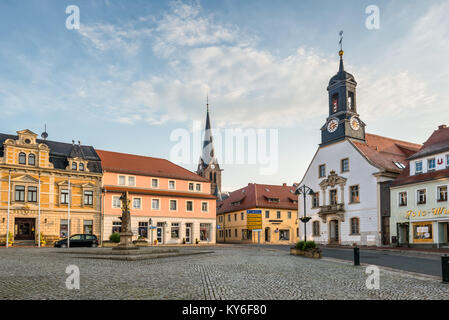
<point>229,273</point>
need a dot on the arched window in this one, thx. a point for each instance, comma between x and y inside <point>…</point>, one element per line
<point>22,158</point>
<point>316,228</point>
<point>31,159</point>
<point>210,176</point>
<point>74,166</point>
<point>355,226</point>
<point>81,166</point>
<point>215,177</point>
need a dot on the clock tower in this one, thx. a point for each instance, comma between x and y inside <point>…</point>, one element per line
<point>343,120</point>
<point>208,166</point>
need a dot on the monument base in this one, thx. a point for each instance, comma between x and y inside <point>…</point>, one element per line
<point>126,242</point>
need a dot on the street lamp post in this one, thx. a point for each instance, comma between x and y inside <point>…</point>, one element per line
<point>304,190</point>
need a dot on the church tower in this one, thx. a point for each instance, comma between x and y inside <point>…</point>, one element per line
<point>343,120</point>
<point>208,166</point>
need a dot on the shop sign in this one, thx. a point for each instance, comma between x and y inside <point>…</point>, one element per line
<point>426,213</point>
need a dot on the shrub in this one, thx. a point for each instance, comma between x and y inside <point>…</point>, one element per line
<point>115,237</point>
<point>43,240</point>
<point>305,245</point>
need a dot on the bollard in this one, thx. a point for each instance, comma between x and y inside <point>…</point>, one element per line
<point>356,256</point>
<point>445,268</point>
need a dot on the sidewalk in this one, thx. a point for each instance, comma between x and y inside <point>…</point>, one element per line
<point>431,251</point>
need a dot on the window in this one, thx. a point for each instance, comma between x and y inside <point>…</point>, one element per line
<point>154,183</point>
<point>116,203</point>
<point>175,230</point>
<point>74,166</point>
<point>171,185</point>
<point>355,226</point>
<point>242,216</point>
<point>278,214</point>
<point>64,196</point>
<point>31,159</point>
<point>88,197</point>
<point>205,231</point>
<point>442,193</point>
<point>247,234</point>
<point>121,180</point>
<point>235,216</point>
<point>422,232</point>
<point>81,166</point>
<point>402,199</point>
<point>267,214</point>
<point>333,197</point>
<point>22,158</point>
<point>316,228</point>
<point>155,204</point>
<point>316,200</point>
<point>229,218</point>
<point>421,196</point>
<point>447,160</point>
<point>345,165</point>
<point>289,215</point>
<point>189,205</point>
<point>322,171</point>
<point>131,181</point>
<point>137,203</point>
<point>235,233</point>
<point>88,226</point>
<point>431,164</point>
<point>198,187</point>
<point>20,193</point>
<point>32,194</point>
<point>335,103</point>
<point>284,234</point>
<point>418,167</point>
<point>354,190</point>
<point>204,207</point>
<point>116,226</point>
<point>143,229</point>
<point>63,228</point>
<point>190,186</point>
<point>351,104</point>
<point>173,205</point>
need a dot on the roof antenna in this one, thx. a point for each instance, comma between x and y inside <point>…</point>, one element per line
<point>44,134</point>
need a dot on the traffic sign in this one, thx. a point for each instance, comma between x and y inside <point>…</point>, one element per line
<point>254,219</point>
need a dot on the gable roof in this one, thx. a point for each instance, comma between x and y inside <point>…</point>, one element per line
<point>382,152</point>
<point>257,196</point>
<point>146,166</point>
<point>60,151</point>
<point>437,142</point>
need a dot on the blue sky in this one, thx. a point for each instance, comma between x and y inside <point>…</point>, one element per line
<point>138,70</point>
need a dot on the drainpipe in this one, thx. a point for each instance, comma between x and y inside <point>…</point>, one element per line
<point>39,213</point>
<point>68,214</point>
<point>9,204</point>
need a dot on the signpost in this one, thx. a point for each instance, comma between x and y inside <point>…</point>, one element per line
<point>254,222</point>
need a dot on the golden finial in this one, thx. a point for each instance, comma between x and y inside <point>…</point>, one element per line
<point>341,52</point>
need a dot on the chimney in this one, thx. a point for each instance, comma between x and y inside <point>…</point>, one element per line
<point>443,126</point>
<point>284,184</point>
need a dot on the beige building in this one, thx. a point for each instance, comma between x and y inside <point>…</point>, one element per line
<point>278,206</point>
<point>41,182</point>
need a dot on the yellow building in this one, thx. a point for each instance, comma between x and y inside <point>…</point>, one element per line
<point>279,209</point>
<point>42,182</point>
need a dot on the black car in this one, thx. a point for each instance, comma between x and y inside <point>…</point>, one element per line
<point>79,240</point>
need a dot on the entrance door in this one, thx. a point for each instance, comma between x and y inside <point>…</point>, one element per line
<point>159,232</point>
<point>188,234</point>
<point>334,232</point>
<point>267,234</point>
<point>24,229</point>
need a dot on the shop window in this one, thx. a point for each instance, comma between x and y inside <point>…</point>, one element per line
<point>247,234</point>
<point>22,158</point>
<point>88,226</point>
<point>421,196</point>
<point>116,226</point>
<point>175,230</point>
<point>20,193</point>
<point>63,228</point>
<point>284,235</point>
<point>402,199</point>
<point>422,232</point>
<point>355,226</point>
<point>88,197</point>
<point>442,193</point>
<point>32,194</point>
<point>316,228</point>
<point>205,231</point>
<point>31,159</point>
<point>143,229</point>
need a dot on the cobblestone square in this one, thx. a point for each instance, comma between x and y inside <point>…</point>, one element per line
<point>228,273</point>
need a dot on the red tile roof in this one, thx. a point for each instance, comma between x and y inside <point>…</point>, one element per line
<point>383,151</point>
<point>146,166</point>
<point>257,195</point>
<point>140,191</point>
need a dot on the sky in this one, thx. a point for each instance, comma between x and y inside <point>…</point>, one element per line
<point>137,73</point>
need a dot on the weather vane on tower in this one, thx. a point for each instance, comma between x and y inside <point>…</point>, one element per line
<point>341,43</point>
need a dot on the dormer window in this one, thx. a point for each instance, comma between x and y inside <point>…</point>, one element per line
<point>273,199</point>
<point>22,158</point>
<point>236,203</point>
<point>81,166</point>
<point>418,167</point>
<point>431,164</point>
<point>31,159</point>
<point>74,166</point>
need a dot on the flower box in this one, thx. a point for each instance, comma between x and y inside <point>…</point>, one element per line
<point>310,253</point>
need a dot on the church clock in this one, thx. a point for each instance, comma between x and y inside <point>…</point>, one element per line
<point>332,125</point>
<point>355,124</point>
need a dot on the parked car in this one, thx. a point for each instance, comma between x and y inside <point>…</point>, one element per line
<point>79,240</point>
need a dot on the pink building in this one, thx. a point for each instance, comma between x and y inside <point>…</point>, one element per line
<point>168,203</point>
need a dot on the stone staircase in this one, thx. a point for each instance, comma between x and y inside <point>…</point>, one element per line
<point>24,243</point>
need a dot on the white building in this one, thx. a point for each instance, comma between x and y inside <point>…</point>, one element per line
<point>350,174</point>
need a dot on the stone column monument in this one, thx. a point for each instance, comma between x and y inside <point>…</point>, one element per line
<point>126,234</point>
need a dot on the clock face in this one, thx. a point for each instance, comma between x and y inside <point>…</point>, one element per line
<point>332,125</point>
<point>355,124</point>
<point>212,166</point>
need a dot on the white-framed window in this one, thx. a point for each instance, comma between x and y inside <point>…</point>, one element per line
<point>204,207</point>
<point>154,183</point>
<point>172,184</point>
<point>431,164</point>
<point>155,204</point>
<point>137,203</point>
<point>189,205</point>
<point>64,196</point>
<point>173,205</point>
<point>175,230</point>
<point>116,203</point>
<point>421,196</point>
<point>88,197</point>
<point>122,180</point>
<point>447,160</point>
<point>191,186</point>
<point>198,187</point>
<point>442,193</point>
<point>402,199</point>
<point>418,166</point>
<point>131,181</point>
<point>345,165</point>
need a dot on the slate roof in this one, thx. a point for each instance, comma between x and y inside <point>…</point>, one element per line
<point>383,152</point>
<point>146,166</point>
<point>60,151</point>
<point>257,195</point>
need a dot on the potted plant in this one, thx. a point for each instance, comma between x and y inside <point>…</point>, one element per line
<point>43,240</point>
<point>307,249</point>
